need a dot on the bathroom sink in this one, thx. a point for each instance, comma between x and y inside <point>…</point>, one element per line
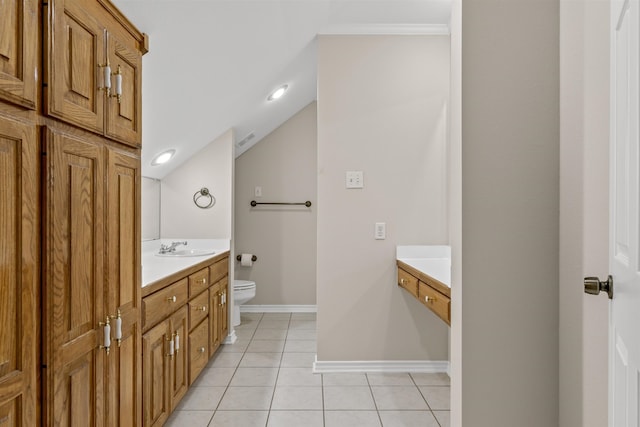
<point>188,252</point>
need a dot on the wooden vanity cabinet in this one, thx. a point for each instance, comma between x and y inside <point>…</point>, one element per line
<point>430,292</point>
<point>182,311</point>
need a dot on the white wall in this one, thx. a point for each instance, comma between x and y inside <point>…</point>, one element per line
<point>510,205</point>
<point>382,109</point>
<point>150,208</point>
<point>584,213</point>
<point>211,167</point>
<point>283,238</point>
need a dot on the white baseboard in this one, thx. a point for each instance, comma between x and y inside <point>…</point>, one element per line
<point>251,308</point>
<point>231,338</point>
<point>425,366</point>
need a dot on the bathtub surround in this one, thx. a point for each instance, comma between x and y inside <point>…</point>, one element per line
<point>382,109</point>
<point>283,238</point>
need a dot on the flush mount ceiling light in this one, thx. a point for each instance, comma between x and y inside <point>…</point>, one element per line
<point>163,157</point>
<point>277,93</point>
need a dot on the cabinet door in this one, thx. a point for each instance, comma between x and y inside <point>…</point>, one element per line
<point>155,365</point>
<point>123,297</point>
<point>125,112</point>
<point>18,51</point>
<point>73,290</point>
<point>179,364</point>
<point>19,276</point>
<point>214,318</point>
<point>76,51</point>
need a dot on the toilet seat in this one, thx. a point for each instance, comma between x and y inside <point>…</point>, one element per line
<point>242,285</point>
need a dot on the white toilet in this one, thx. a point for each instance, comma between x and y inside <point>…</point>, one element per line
<point>243,291</point>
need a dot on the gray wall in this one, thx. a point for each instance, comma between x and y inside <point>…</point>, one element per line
<point>510,213</point>
<point>283,164</point>
<point>382,109</point>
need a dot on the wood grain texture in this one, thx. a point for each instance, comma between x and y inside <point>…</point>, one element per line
<point>155,372</point>
<point>198,309</point>
<point>179,378</point>
<point>429,291</point>
<point>19,257</point>
<point>435,301</point>
<point>74,280</point>
<point>124,382</point>
<point>160,305</point>
<point>198,282</point>
<point>19,52</point>
<point>198,350</point>
<point>214,318</point>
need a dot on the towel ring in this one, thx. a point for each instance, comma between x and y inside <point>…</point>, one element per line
<point>208,197</point>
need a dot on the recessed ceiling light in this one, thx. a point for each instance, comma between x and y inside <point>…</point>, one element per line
<point>163,157</point>
<point>277,93</point>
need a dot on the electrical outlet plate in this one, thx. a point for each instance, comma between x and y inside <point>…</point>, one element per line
<point>355,179</point>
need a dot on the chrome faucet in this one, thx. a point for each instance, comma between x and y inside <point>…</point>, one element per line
<point>164,249</point>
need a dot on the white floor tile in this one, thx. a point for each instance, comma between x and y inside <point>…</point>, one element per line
<point>298,377</point>
<point>300,346</point>
<point>298,360</point>
<point>276,316</point>
<point>439,378</point>
<point>212,377</point>
<point>226,360</point>
<point>443,417</point>
<point>201,399</point>
<point>348,398</point>
<point>347,378</point>
<point>398,397</point>
<point>296,419</point>
<point>254,377</point>
<point>260,360</point>
<point>246,398</point>
<point>351,419</point>
<point>266,346</point>
<point>189,418</point>
<point>407,419</point>
<point>297,398</point>
<point>270,334</point>
<point>273,324</point>
<point>389,378</point>
<point>303,324</point>
<point>302,334</point>
<point>438,397</point>
<point>239,418</point>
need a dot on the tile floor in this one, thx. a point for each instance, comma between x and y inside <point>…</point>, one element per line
<point>265,379</point>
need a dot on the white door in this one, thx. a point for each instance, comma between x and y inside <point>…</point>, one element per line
<point>624,257</point>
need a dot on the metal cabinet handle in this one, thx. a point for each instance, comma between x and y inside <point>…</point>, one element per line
<point>430,299</point>
<point>202,281</point>
<point>201,350</point>
<point>403,281</point>
<point>172,299</point>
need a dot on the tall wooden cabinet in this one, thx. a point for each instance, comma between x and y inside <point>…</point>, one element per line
<point>69,215</point>
<point>19,272</point>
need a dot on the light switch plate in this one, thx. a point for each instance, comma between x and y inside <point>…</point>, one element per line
<point>380,231</point>
<point>258,192</point>
<point>355,179</point>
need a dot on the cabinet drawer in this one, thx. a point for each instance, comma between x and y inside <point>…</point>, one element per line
<point>408,282</point>
<point>161,304</point>
<point>219,270</point>
<point>438,303</point>
<point>198,350</point>
<point>198,309</point>
<point>198,282</point>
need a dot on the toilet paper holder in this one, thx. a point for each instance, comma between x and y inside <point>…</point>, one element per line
<point>253,258</point>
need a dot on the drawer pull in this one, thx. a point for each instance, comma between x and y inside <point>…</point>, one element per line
<point>172,299</point>
<point>203,308</point>
<point>201,349</point>
<point>430,299</point>
<point>201,281</point>
<point>404,281</point>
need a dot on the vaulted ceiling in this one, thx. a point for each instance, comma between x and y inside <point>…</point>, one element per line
<point>212,63</point>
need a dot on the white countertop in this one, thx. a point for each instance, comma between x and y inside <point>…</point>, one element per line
<point>155,268</point>
<point>434,261</point>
